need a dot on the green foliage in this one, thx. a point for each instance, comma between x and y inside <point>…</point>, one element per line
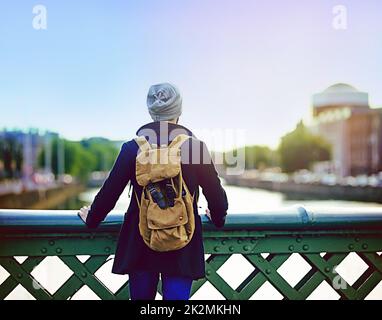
<point>300,148</point>
<point>83,157</point>
<point>105,152</point>
<point>260,157</point>
<point>257,157</point>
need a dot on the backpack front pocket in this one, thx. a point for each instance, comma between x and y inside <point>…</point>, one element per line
<point>170,217</point>
<point>169,239</point>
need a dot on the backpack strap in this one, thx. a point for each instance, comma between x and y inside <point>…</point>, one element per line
<point>178,141</point>
<point>138,202</point>
<point>176,144</point>
<point>142,143</point>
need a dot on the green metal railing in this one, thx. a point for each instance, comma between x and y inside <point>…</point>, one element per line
<point>265,239</point>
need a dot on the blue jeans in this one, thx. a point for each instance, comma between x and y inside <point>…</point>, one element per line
<point>143,286</point>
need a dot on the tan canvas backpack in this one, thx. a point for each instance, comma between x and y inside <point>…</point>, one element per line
<point>167,224</point>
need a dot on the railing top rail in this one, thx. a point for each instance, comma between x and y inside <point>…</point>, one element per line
<point>292,218</point>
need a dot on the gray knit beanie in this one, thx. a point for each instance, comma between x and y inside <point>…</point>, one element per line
<point>164,102</point>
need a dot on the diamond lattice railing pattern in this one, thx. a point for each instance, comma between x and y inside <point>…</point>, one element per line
<point>293,254</point>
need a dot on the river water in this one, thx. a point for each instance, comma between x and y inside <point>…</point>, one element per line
<point>52,272</point>
<point>247,200</point>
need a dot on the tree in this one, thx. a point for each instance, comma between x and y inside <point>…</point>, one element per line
<point>7,157</point>
<point>300,148</point>
<point>104,151</point>
<point>258,157</point>
<point>2,173</point>
<point>83,157</point>
<point>11,157</point>
<point>79,162</point>
<point>19,159</point>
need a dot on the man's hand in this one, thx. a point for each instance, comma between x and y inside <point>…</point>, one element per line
<point>208,214</point>
<point>83,213</point>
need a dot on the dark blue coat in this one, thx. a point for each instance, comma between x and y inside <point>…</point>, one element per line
<point>132,254</point>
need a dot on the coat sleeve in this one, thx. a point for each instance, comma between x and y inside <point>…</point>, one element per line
<point>212,189</point>
<point>112,188</point>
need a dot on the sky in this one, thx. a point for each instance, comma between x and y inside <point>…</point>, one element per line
<point>241,65</point>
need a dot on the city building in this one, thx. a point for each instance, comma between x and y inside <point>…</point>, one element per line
<point>342,115</point>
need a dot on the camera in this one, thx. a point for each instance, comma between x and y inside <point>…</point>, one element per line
<point>157,195</point>
<point>163,193</point>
